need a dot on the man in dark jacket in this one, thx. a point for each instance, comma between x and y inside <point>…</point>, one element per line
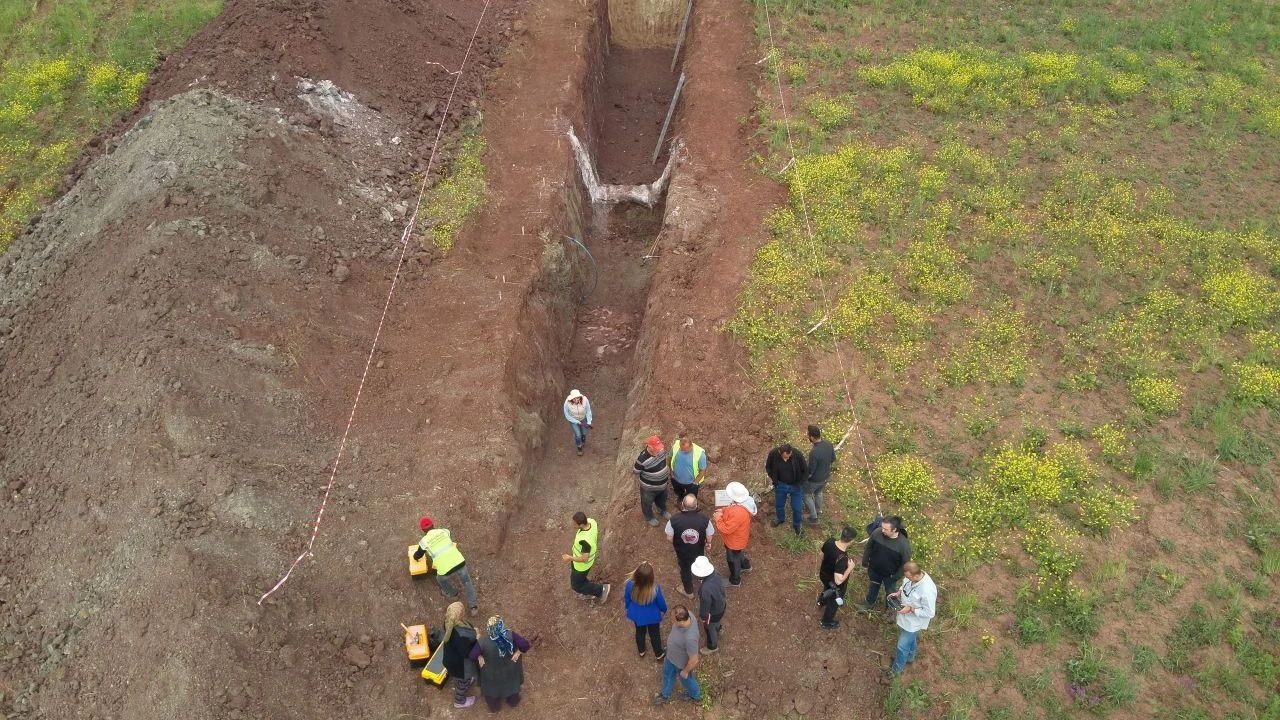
<point>688,531</point>
<point>887,550</point>
<point>822,458</point>
<point>787,472</point>
<point>712,601</point>
<point>653,465</point>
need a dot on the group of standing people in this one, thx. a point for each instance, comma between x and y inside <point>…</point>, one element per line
<point>491,656</point>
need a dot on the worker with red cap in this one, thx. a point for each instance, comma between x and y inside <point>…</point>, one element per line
<point>653,465</point>
<point>446,560</point>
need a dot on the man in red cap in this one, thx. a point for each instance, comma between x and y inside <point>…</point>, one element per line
<point>653,465</point>
<point>446,560</point>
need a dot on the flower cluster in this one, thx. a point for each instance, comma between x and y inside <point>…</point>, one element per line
<point>1158,396</point>
<point>829,112</point>
<point>1053,547</point>
<point>1102,509</point>
<point>1241,296</point>
<point>1255,384</point>
<point>453,200</point>
<point>905,479</point>
<point>1113,441</point>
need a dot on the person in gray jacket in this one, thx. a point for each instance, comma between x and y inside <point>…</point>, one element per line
<point>822,460</point>
<point>712,601</point>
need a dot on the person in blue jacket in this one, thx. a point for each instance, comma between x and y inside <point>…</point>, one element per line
<point>646,607</point>
<point>577,410</point>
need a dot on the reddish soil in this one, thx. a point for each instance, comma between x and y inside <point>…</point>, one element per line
<point>633,103</point>
<point>189,324</point>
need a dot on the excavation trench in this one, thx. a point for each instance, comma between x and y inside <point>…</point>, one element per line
<point>629,92</point>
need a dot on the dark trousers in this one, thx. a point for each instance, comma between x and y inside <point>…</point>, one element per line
<point>713,631</point>
<point>651,498</point>
<point>686,572</point>
<point>495,704</point>
<point>682,490</point>
<point>654,632</point>
<point>829,610</point>
<point>581,585</point>
<point>737,561</point>
<point>888,582</point>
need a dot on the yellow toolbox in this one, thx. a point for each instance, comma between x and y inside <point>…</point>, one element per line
<point>435,671</point>
<point>418,567</point>
<point>416,644</point>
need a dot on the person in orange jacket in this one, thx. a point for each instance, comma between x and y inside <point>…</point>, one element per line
<point>734,522</point>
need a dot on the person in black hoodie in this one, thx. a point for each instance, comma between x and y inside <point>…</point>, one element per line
<point>887,550</point>
<point>459,638</point>
<point>787,473</point>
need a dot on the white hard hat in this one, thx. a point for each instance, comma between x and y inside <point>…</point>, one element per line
<point>702,567</point>
<point>738,492</point>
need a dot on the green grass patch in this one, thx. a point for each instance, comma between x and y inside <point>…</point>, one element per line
<point>453,200</point>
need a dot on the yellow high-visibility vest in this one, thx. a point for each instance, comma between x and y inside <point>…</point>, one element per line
<point>444,552</point>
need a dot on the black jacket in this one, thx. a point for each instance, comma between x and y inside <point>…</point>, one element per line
<point>886,556</point>
<point>689,533</point>
<point>786,472</point>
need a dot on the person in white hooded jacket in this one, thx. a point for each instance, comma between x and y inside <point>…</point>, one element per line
<point>577,410</point>
<point>919,599</point>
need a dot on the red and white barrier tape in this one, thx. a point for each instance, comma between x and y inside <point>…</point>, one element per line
<point>405,237</point>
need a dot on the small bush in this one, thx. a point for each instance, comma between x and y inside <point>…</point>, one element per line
<point>455,198</point>
<point>829,112</point>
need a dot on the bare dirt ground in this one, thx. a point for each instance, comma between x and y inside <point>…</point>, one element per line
<point>187,326</point>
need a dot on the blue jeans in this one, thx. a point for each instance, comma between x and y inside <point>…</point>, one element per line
<point>669,675</point>
<point>579,434</point>
<point>780,495</point>
<point>878,581</point>
<point>463,575</point>
<point>906,650</point>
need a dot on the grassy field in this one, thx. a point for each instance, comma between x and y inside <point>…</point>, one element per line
<point>1045,238</point>
<point>67,69</point>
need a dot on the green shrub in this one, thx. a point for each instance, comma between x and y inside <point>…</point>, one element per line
<point>1102,508</point>
<point>1255,384</point>
<point>455,198</point>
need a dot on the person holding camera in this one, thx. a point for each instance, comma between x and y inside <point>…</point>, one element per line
<point>834,574</point>
<point>917,603</point>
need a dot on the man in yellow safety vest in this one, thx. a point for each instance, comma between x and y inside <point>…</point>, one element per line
<point>582,556</point>
<point>446,560</point>
<point>688,466</point>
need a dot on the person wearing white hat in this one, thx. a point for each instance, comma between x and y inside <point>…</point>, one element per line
<point>577,410</point>
<point>734,522</point>
<point>712,601</point>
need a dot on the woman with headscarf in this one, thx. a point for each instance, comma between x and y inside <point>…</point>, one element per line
<point>577,410</point>
<point>459,640</point>
<point>498,654</point>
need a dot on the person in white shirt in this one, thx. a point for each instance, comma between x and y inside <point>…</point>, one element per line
<point>919,598</point>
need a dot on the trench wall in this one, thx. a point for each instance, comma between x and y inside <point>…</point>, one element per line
<point>645,23</point>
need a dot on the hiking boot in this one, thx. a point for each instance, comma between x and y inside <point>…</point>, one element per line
<point>829,625</point>
<point>666,515</point>
<point>799,531</point>
<point>473,611</point>
<point>604,595</point>
<point>888,676</point>
<point>710,650</point>
<point>659,700</point>
<point>579,452</point>
<point>863,607</point>
<point>813,521</point>
<point>686,594</point>
<point>660,656</point>
<point>471,700</point>
<point>653,522</point>
<point>775,523</point>
<point>735,584</point>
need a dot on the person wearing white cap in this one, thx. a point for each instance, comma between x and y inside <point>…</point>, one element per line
<point>577,410</point>
<point>712,601</point>
<point>734,522</point>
